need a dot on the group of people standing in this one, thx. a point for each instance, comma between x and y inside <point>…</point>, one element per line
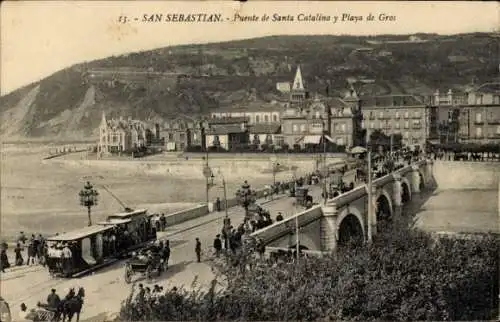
<point>35,247</point>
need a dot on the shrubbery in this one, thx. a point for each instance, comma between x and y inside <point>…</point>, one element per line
<point>404,275</point>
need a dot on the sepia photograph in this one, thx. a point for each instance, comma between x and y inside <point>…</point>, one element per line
<point>249,161</point>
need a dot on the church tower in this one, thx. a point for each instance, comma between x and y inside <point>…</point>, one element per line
<point>297,92</point>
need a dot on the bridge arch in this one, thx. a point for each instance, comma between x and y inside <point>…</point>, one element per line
<point>384,207</point>
<point>405,190</point>
<point>350,228</point>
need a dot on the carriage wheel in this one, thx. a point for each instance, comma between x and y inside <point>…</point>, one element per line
<point>128,274</point>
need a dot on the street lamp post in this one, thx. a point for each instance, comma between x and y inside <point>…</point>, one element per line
<point>225,192</point>
<point>275,166</point>
<point>207,172</point>
<point>88,198</point>
<point>246,197</point>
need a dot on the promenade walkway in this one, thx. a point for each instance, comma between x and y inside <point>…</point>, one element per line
<point>106,288</point>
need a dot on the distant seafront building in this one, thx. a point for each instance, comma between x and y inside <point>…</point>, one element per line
<point>183,132</point>
<point>397,114</point>
<point>120,135</point>
<point>469,116</point>
<point>310,120</point>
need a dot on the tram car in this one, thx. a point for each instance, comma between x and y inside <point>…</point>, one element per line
<point>86,247</point>
<point>96,246</point>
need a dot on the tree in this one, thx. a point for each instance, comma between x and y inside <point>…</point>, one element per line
<point>404,274</point>
<point>380,139</point>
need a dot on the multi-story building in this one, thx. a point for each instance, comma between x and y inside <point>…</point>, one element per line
<point>257,112</point>
<point>469,116</point>
<point>308,120</point>
<point>120,135</point>
<point>183,132</point>
<point>397,114</point>
<point>228,133</point>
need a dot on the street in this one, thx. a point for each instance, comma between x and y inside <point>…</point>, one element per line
<point>105,289</point>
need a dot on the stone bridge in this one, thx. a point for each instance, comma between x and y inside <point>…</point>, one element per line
<point>343,218</point>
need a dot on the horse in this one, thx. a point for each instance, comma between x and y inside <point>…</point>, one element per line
<point>73,305</point>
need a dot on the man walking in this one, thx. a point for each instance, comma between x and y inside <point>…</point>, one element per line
<point>217,245</point>
<point>197,249</point>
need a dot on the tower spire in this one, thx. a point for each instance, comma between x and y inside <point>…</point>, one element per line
<point>298,82</point>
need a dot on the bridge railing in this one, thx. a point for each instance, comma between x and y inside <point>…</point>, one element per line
<point>281,228</point>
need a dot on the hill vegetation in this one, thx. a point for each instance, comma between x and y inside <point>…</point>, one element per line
<point>69,103</point>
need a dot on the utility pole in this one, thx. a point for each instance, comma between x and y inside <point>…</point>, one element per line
<point>370,197</point>
<point>297,239</point>
<point>325,172</point>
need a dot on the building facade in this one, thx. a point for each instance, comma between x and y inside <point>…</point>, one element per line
<point>256,112</point>
<point>307,120</point>
<point>407,115</point>
<point>228,133</point>
<point>120,135</point>
<point>472,116</point>
<point>266,135</point>
<point>183,132</point>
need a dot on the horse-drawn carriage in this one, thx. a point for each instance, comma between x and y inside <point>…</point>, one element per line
<point>146,263</point>
<point>302,197</point>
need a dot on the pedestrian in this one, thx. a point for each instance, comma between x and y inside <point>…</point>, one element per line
<point>4,260</point>
<point>217,245</point>
<point>22,239</point>
<point>31,254</point>
<point>166,254</point>
<point>163,222</point>
<point>197,249</point>
<point>19,257</point>
<point>217,204</point>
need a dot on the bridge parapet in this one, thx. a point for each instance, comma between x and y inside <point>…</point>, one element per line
<point>347,214</point>
<point>287,226</point>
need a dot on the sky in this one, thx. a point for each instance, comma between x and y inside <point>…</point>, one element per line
<point>39,38</point>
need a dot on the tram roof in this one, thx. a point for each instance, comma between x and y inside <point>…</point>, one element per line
<point>80,233</point>
<point>128,213</point>
<point>114,221</point>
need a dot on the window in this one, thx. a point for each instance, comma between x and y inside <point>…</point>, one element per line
<point>302,127</point>
<point>266,118</point>
<point>295,128</point>
<point>342,128</point>
<point>417,114</point>
<point>363,124</point>
<point>496,99</point>
<point>407,115</point>
<point>397,125</point>
<point>479,117</point>
<point>498,129</point>
<point>275,118</point>
<point>372,125</point>
<point>479,132</point>
<point>407,124</point>
<point>479,100</point>
<point>381,115</point>
<point>182,136</point>
<point>406,135</point>
<point>318,115</point>
<point>257,118</point>
<point>170,136</point>
<point>397,114</point>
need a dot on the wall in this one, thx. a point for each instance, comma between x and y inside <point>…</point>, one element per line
<point>187,214</point>
<point>452,175</point>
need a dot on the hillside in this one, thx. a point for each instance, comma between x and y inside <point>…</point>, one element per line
<point>193,79</point>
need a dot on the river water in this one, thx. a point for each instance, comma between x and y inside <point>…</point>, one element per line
<point>460,211</point>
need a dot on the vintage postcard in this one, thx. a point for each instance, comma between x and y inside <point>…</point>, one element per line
<point>259,160</point>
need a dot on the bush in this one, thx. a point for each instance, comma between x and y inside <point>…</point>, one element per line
<point>404,275</point>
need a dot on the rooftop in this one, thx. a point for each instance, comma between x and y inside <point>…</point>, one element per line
<point>261,128</point>
<point>255,106</point>
<point>80,233</point>
<point>391,101</point>
<point>225,129</point>
<point>228,120</point>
